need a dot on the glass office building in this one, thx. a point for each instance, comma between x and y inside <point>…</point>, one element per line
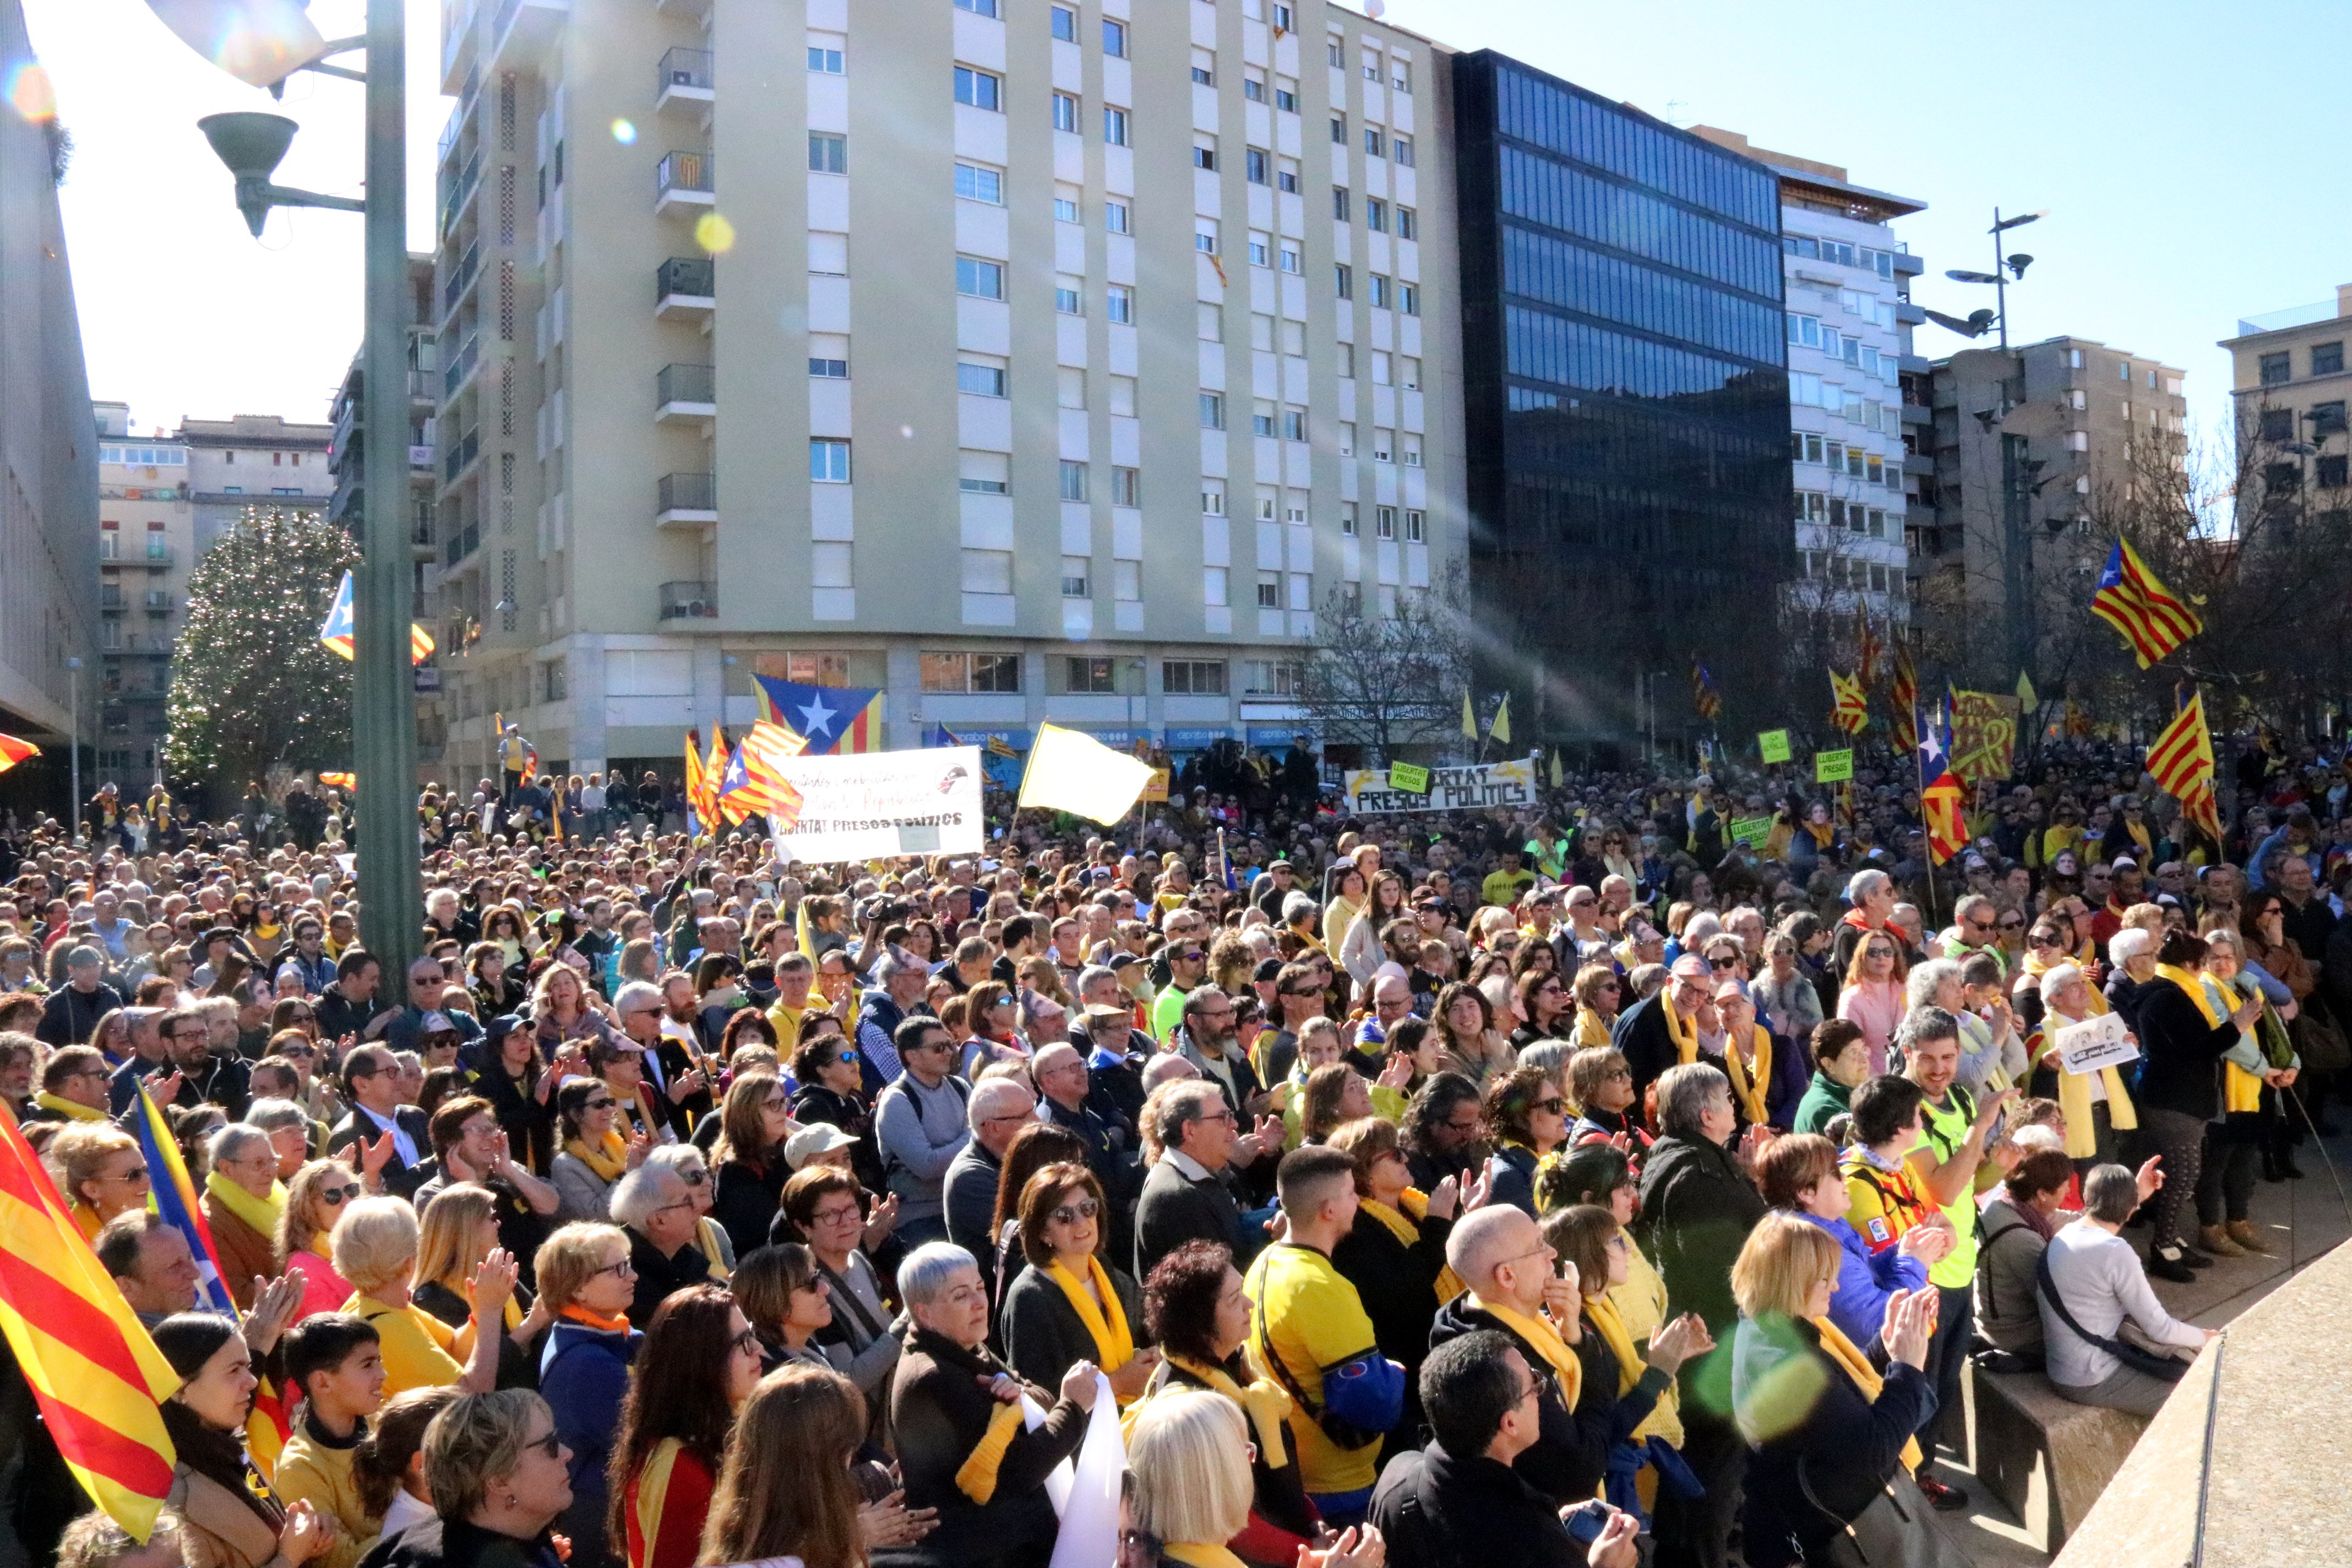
<point>1626,394</point>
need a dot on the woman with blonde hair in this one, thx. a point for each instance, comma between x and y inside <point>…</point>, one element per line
<point>456,1234</point>
<point>785,1488</point>
<point>1189,1452</point>
<point>99,1170</point>
<point>1598,991</point>
<point>1828,1431</point>
<point>374,1246</point>
<point>314,1201</point>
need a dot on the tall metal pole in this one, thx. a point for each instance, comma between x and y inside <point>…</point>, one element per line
<point>73,700</point>
<point>383,720</point>
<point>1999,283</point>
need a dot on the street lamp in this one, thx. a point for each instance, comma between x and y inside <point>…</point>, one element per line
<point>2005,268</point>
<point>261,42</point>
<point>73,701</point>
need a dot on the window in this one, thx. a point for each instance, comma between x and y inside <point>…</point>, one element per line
<point>2283,478</point>
<point>1408,299</point>
<point>1254,87</point>
<point>1286,96</point>
<point>981,280</point>
<point>1119,303</point>
<point>1117,217</point>
<point>1065,24</point>
<point>980,380</point>
<point>1343,280</point>
<point>2275,369</point>
<point>1293,338</point>
<point>979,90</point>
<point>975,183</point>
<point>1213,503</point>
<point>1346,437</point>
<point>988,571</point>
<point>1074,480</point>
<point>1205,236</point>
<point>2078,440</point>
<point>1254,165</point>
<point>1286,175</point>
<point>828,369</point>
<point>977,8</point>
<point>823,60</point>
<point>1293,261</point>
<point>1339,129</point>
<point>1212,411</point>
<point>1065,210</point>
<point>1376,214</point>
<point>1383,445</point>
<point>1401,150</point>
<point>1282,20</point>
<point>1339,203</point>
<point>1400,76</point>
<point>2328,419</point>
<point>1262,419</point>
<point>1408,226</point>
<point>1068,301</point>
<point>1115,127</point>
<point>1115,39</point>
<point>1127,580</point>
<point>971,671</point>
<point>1066,111</point>
<point>2278,423</point>
<point>2123,372</point>
<point>1294,425</point>
<point>2331,471</point>
<point>1373,141</point>
<point>828,155</point>
<point>1384,522</point>
<point>1335,52</point>
<point>1410,450</point>
<point>1193,676</point>
<point>1076,583</point>
<point>2327,359</point>
<point>1272,678</point>
<point>1409,371</point>
<point>1347,519</point>
<point>829,462</point>
<point>1126,487</point>
<point>1204,154</point>
<point>1205,76</point>
<point>1343,361</point>
<point>1380,291</point>
<point>1416,527</point>
<point>1269,591</point>
<point>2073,359</point>
<point>1371,66</point>
<point>1215,586</point>
<point>1091,675</point>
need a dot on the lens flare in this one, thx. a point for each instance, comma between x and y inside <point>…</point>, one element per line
<point>714,233</point>
<point>624,133</point>
<point>31,94</point>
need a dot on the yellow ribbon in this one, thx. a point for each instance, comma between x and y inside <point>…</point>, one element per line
<point>1406,1228</point>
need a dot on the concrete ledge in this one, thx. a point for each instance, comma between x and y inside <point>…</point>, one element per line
<point>2045,1456</point>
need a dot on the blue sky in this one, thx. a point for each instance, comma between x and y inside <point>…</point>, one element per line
<point>2190,156</point>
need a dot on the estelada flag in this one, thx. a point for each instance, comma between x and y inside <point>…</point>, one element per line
<point>1851,709</point>
<point>2130,599</point>
<point>338,630</point>
<point>13,750</point>
<point>91,1364</point>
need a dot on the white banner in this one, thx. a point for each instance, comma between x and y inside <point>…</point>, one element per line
<point>1450,789</point>
<point>874,804</point>
<point>2105,1041</point>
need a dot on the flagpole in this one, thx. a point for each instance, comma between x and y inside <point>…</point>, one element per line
<point>1919,786</point>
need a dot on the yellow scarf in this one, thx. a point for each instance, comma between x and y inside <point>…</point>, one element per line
<point>2033,966</point>
<point>2075,1095</point>
<point>1264,1401</point>
<point>1746,1084</point>
<point>1865,1376</point>
<point>67,1108</point>
<point>2241,1090</point>
<point>2215,1014</point>
<point>1543,1336</point>
<point>1199,1555</point>
<point>1601,1313</point>
<point>1406,1228</point>
<point>706,1233</point>
<point>1591,1032</point>
<point>261,1213</point>
<point>1640,1304</point>
<point>976,1477</point>
<point>1685,1036</point>
<point>1114,1343</point>
<point>609,1159</point>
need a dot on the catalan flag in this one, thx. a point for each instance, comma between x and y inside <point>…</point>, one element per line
<point>341,781</point>
<point>1704,696</point>
<point>1850,710</point>
<point>701,805</point>
<point>1868,649</point>
<point>1903,697</point>
<point>2181,761</point>
<point>1943,799</point>
<point>2131,599</point>
<point>93,1369</point>
<point>13,750</point>
<point>172,1196</point>
<point>836,721</point>
<point>764,788</point>
<point>339,628</point>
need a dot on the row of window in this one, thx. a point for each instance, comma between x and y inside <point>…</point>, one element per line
<point>1551,193</point>
<point>1844,457</point>
<point>1558,272</point>
<point>1567,121</point>
<point>1376,214</point>
<point>2325,359</point>
<point>1571,353</point>
<point>1844,572</point>
<point>2324,419</point>
<point>2285,479</point>
<point>1808,332</point>
<point>1830,511</point>
<point>948,673</point>
<point>1839,251</point>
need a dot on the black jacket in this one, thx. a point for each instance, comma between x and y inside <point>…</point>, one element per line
<point>1698,1207</point>
<point>454,1544</point>
<point>400,1178</point>
<point>1847,1446</point>
<point>1641,1035</point>
<point>1174,1211</point>
<point>941,1408</point>
<point>1437,1511</point>
<point>68,1015</point>
<point>2180,1053</point>
<point>745,1200</point>
<point>1043,1336</point>
<point>1398,1285</point>
<point>657,1277</point>
<point>1571,1454</point>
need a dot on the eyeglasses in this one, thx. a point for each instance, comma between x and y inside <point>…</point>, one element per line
<point>623,1270</point>
<point>1071,1214</point>
<point>1472,1125</point>
<point>1192,957</point>
<point>746,1343</point>
<point>848,1213</point>
<point>693,1179</point>
<point>2012,925</point>
<point>1879,952</point>
<point>604,1104</point>
<point>136,1173</point>
<point>1551,1105</point>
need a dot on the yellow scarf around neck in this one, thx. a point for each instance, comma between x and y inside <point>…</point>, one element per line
<point>1405,1227</point>
<point>2035,967</point>
<point>2074,1100</point>
<point>1543,1336</point>
<point>1640,1304</point>
<point>1747,1083</point>
<point>1865,1376</point>
<point>1201,1554</point>
<point>1114,1343</point>
<point>609,1158</point>
<point>261,1213</point>
<point>2241,1090</point>
<point>1264,1401</point>
<point>2208,1004</point>
<point>1601,1313</point>
<point>1591,1032</point>
<point>67,1108</point>
<point>1684,1035</point>
<point>706,1235</point>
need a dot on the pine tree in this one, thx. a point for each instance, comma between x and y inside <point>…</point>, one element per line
<point>251,683</point>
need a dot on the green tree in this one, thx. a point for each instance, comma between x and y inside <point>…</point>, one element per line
<point>251,683</point>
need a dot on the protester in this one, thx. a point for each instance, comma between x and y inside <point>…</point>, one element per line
<point>1068,1305</point>
<point>2092,1286</point>
<point>698,1365</point>
<point>229,1516</point>
<point>587,1281</point>
<point>500,1476</point>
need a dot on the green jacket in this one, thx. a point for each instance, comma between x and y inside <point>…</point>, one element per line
<point>1824,1099</point>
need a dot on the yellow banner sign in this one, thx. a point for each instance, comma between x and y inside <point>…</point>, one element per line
<point>1984,735</point>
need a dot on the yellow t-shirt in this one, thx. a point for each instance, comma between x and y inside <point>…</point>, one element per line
<point>1312,1317</point>
<point>1885,1203</point>
<point>786,1022</point>
<point>420,1351</point>
<point>307,1468</point>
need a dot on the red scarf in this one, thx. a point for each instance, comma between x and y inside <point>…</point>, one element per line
<point>618,1323</point>
<point>1859,921</point>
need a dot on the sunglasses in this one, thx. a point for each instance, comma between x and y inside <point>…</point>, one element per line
<point>551,1445</point>
<point>1551,1105</point>
<point>604,1104</point>
<point>136,1173</point>
<point>1734,963</point>
<point>335,1197</point>
<point>1071,1214</point>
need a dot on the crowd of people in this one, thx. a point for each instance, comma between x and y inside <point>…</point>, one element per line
<point>1589,1171</point>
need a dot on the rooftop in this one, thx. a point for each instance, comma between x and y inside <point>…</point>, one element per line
<point>2299,315</point>
<point>1821,184</point>
<point>253,430</point>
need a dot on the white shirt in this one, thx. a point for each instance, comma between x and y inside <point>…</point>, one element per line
<point>402,1143</point>
<point>2100,1279</point>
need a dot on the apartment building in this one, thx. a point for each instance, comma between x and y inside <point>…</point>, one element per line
<point>1025,360</point>
<point>2028,444</point>
<point>1626,391</point>
<point>48,460</point>
<point>1847,280</point>
<point>254,459</point>
<point>146,548</point>
<point>2289,390</point>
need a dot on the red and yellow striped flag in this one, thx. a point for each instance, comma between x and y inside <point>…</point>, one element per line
<point>2150,616</point>
<point>13,750</point>
<point>1851,709</point>
<point>93,1366</point>
<point>2181,762</point>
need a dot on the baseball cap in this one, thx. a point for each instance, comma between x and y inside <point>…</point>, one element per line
<point>818,1138</point>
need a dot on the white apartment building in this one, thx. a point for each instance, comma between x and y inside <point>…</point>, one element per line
<point>1847,280</point>
<point>1025,359</point>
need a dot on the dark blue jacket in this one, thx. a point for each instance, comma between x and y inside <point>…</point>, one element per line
<point>583,1374</point>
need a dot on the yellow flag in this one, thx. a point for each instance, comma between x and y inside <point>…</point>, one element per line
<point>1071,771</point>
<point>2027,700</point>
<point>1555,770</point>
<point>1501,729</point>
<point>1469,719</point>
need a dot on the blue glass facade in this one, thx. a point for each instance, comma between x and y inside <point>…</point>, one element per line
<point>1626,388</point>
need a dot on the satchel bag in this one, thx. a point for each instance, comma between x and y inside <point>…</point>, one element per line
<point>2165,1368</point>
<point>1896,1529</point>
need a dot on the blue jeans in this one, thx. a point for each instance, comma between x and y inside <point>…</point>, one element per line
<point>914,1233</point>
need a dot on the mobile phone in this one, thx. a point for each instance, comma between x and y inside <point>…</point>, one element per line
<point>1586,1520</point>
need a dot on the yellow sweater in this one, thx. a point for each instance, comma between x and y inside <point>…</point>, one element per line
<point>307,1468</point>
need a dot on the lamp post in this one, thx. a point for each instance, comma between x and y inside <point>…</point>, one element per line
<point>73,701</point>
<point>275,42</point>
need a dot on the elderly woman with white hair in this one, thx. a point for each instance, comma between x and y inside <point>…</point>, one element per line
<point>2095,1106</point>
<point>242,1202</point>
<point>375,1243</point>
<point>1943,983</point>
<point>956,1408</point>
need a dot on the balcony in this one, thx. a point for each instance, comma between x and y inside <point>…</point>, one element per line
<point>157,601</point>
<point>1915,415</point>
<point>110,599</point>
<point>684,182</point>
<point>684,77</point>
<point>686,285</point>
<point>155,557</point>
<point>461,454</point>
<point>459,277</point>
<point>420,459</point>
<point>460,188</point>
<point>689,601</point>
<point>1919,467</point>
<point>461,368</point>
<point>460,544</point>
<point>523,30</point>
<point>684,392</point>
<point>686,500</point>
<point>1909,266</point>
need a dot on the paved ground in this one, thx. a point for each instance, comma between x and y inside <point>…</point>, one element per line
<point>2303,1218</point>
